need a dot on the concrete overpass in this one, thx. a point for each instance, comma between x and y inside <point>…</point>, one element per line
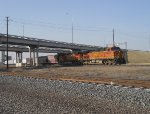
<point>34,42</point>
<point>35,45</point>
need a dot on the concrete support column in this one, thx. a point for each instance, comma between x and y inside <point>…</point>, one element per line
<point>16,57</point>
<point>30,48</point>
<point>20,57</point>
<point>37,55</point>
<point>2,57</point>
<point>33,57</point>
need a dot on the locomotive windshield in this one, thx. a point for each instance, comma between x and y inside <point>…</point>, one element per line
<point>115,49</point>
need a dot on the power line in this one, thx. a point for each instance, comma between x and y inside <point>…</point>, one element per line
<point>68,27</point>
<point>54,24</point>
<point>42,25</point>
<point>60,26</point>
<point>129,35</point>
<point>38,22</point>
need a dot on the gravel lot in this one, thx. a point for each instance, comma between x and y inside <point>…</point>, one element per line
<point>20,95</point>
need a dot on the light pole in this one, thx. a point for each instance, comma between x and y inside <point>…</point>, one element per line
<point>113,38</point>
<point>72,28</point>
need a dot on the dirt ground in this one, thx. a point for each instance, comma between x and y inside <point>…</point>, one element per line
<point>125,75</point>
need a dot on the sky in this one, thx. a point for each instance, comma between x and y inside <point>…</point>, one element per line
<point>92,20</point>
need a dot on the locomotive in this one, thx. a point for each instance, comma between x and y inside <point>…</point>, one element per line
<point>111,56</point>
<point>67,59</point>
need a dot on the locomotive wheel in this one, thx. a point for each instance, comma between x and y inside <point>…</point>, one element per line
<point>115,61</point>
<point>107,62</point>
<point>103,62</point>
<point>111,62</point>
<point>119,61</point>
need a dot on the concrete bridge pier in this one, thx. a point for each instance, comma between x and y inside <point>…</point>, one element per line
<point>19,59</point>
<point>33,57</point>
<point>37,55</point>
<point>2,57</point>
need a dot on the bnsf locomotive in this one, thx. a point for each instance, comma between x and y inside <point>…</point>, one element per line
<point>112,55</point>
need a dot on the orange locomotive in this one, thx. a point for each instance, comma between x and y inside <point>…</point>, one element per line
<point>112,55</point>
<point>65,59</point>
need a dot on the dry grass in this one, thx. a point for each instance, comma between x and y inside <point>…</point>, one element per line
<point>138,57</point>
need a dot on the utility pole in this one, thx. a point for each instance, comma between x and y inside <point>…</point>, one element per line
<point>7,41</point>
<point>113,38</point>
<point>71,26</point>
<point>72,32</point>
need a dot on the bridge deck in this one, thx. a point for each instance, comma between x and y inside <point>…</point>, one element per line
<point>19,40</point>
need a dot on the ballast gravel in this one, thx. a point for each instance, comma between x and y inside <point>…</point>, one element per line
<point>21,95</point>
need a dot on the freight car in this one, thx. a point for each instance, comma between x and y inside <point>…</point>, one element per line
<point>42,60</point>
<point>47,60</point>
<point>112,55</point>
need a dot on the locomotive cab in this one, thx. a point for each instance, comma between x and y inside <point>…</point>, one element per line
<point>113,55</point>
